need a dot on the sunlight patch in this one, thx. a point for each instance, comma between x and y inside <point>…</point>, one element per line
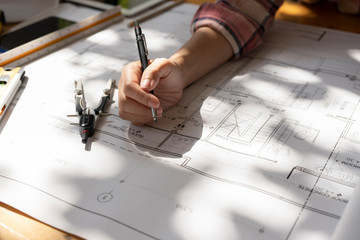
<point>355,54</point>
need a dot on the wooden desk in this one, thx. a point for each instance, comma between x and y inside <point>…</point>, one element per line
<point>323,14</point>
<point>15,225</point>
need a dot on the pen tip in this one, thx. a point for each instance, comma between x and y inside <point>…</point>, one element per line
<point>136,24</point>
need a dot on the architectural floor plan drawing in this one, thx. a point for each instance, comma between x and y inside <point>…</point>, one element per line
<point>263,148</point>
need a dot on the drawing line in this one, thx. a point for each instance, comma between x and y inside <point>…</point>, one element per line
<point>171,133</point>
<point>328,214</point>
<point>81,208</point>
<point>316,174</point>
<point>140,144</point>
<point>310,193</point>
<point>321,36</point>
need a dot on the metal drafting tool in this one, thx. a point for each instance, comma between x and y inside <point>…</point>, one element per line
<point>88,116</point>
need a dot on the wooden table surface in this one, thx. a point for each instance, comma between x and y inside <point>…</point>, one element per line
<point>15,225</point>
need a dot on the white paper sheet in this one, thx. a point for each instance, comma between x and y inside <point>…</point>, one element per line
<point>262,148</point>
<point>348,226</point>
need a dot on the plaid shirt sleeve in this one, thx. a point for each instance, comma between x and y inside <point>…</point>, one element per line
<point>241,22</point>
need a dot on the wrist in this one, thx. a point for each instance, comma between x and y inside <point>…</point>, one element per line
<point>179,60</point>
<point>205,50</point>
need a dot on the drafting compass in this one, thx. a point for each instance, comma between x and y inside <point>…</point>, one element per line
<point>88,116</point>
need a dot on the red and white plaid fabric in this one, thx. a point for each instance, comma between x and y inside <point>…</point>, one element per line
<point>241,22</point>
<point>244,22</point>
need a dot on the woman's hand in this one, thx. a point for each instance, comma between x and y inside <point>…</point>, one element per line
<point>162,76</point>
<point>205,50</point>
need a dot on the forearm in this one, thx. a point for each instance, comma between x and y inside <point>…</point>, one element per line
<point>205,50</point>
<point>229,28</point>
<point>243,23</point>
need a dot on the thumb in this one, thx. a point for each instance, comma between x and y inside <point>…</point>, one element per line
<point>158,69</point>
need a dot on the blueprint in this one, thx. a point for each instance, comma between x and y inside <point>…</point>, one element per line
<point>267,147</point>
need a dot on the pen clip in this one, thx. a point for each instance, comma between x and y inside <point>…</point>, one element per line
<point>145,45</point>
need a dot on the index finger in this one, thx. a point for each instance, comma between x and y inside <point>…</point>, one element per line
<point>130,86</point>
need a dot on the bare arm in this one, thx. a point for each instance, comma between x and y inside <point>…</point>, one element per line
<point>206,50</point>
<point>223,30</point>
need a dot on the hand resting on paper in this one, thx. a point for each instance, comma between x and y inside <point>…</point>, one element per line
<point>205,50</point>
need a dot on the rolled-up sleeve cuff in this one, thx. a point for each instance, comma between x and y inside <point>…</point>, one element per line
<point>242,31</point>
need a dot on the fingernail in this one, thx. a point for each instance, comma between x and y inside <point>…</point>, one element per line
<point>152,104</point>
<point>145,83</point>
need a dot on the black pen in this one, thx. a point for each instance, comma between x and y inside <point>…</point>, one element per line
<point>141,43</point>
